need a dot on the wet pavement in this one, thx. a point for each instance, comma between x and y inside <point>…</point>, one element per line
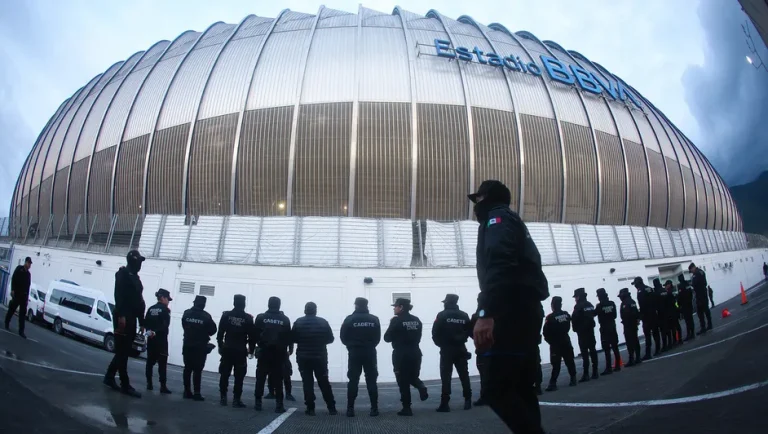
<point>717,383</point>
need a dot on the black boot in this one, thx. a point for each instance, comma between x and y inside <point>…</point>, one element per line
<point>257,405</point>
<point>647,356</point>
<point>237,403</point>
<point>350,412</point>
<point>608,371</point>
<point>280,408</point>
<point>223,401</point>
<point>406,411</point>
<point>539,392</point>
<point>332,410</point>
<point>164,389</point>
<point>188,394</point>
<point>573,381</point>
<point>130,391</point>
<point>468,403</point>
<point>594,373</point>
<point>198,397</point>
<point>111,383</point>
<point>584,378</point>
<point>149,384</point>
<point>309,412</point>
<point>479,403</point>
<point>443,408</point>
<point>269,395</point>
<point>551,388</point>
<point>423,395</point>
<point>374,411</point>
<point>289,397</point>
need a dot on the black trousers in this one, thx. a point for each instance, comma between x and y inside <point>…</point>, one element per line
<point>675,331</point>
<point>407,366</point>
<point>609,338</point>
<point>450,357</point>
<point>702,309</point>
<point>558,353</point>
<point>690,328</point>
<point>482,369</point>
<point>311,369</point>
<point>633,343</point>
<point>271,364</point>
<point>232,360</point>
<point>194,362</point>
<point>587,344</point>
<point>509,391</point>
<point>14,304</point>
<point>359,361</point>
<point>287,372</point>
<point>119,364</point>
<point>664,330</point>
<point>539,374</point>
<point>651,329</point>
<point>157,353</point>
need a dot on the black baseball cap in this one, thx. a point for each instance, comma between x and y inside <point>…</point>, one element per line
<point>135,255</point>
<point>163,293</point>
<point>27,260</point>
<point>493,189</point>
<point>404,302</point>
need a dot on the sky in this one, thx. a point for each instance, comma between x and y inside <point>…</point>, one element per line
<point>687,57</point>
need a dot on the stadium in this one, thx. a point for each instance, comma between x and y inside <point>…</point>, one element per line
<point>328,156</point>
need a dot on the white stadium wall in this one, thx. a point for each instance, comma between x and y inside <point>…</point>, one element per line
<point>334,290</point>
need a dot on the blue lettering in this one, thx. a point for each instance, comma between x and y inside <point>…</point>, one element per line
<point>606,85</point>
<point>534,69</point>
<point>521,64</point>
<point>464,54</point>
<point>624,94</point>
<point>511,63</point>
<point>494,59</point>
<point>556,70</point>
<point>444,49</point>
<point>480,57</point>
<point>586,82</point>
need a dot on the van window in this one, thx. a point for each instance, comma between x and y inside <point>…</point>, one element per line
<point>41,294</point>
<point>101,309</point>
<point>33,294</point>
<point>75,302</point>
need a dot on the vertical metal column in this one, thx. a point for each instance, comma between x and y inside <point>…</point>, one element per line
<point>355,115</point>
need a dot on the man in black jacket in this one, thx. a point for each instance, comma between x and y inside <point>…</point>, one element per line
<point>361,333</point>
<point>512,286</point>
<point>673,314</point>
<point>287,373</point>
<point>404,333</point>
<point>20,283</point>
<point>660,297</point>
<point>646,298</point>
<point>630,318</point>
<point>235,344</point>
<point>129,308</point>
<point>584,326</point>
<point>609,338</point>
<point>450,334</point>
<point>198,328</point>
<point>158,321</point>
<point>556,328</point>
<point>685,301</point>
<point>272,332</point>
<point>312,335</point>
<point>699,283</point>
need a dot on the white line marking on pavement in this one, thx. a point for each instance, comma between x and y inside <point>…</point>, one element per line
<point>29,339</point>
<point>53,368</point>
<point>277,422</point>
<point>659,402</point>
<point>707,345</point>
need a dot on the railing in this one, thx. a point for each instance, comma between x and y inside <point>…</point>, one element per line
<point>358,242</point>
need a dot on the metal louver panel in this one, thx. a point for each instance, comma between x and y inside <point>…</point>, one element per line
<point>211,165</point>
<point>186,287</point>
<point>321,181</point>
<point>100,183</point>
<point>543,169</point>
<point>638,184</point>
<point>676,195</point>
<point>614,179</point>
<point>207,290</point>
<point>659,188</point>
<point>582,174</point>
<point>497,151</point>
<point>690,198</point>
<point>166,167</point>
<point>129,175</point>
<point>77,182</point>
<point>383,176</point>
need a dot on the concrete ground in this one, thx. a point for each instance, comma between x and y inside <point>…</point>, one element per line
<point>717,383</point>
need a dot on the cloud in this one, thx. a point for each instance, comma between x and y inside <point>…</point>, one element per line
<point>728,96</point>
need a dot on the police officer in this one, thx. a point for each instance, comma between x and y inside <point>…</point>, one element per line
<point>361,333</point>
<point>272,332</point>
<point>450,334</point>
<point>158,321</point>
<point>661,313</point>
<point>198,328</point>
<point>20,283</point>
<point>630,318</point>
<point>287,373</point>
<point>699,283</point>
<point>609,338</point>
<point>584,326</point>
<point>556,328</point>
<point>512,286</point>
<point>404,333</point>
<point>234,339</point>
<point>685,301</point>
<point>312,335</point>
<point>646,298</point>
<point>673,314</point>
<point>129,308</point>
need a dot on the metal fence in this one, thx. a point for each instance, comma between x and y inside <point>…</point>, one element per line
<point>358,242</point>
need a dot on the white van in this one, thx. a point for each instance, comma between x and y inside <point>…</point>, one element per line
<point>36,303</point>
<point>84,312</point>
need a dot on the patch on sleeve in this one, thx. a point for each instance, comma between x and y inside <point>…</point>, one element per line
<point>494,221</point>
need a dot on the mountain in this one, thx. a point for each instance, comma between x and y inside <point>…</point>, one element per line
<point>752,200</point>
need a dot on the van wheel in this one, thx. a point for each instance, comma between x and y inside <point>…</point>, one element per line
<point>58,327</point>
<point>109,343</point>
<point>30,316</point>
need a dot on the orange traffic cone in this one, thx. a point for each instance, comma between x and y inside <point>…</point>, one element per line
<point>743,295</point>
<point>726,313</point>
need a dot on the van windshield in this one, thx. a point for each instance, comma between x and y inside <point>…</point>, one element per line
<point>111,308</point>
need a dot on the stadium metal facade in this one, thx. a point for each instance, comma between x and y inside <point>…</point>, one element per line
<point>366,115</point>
